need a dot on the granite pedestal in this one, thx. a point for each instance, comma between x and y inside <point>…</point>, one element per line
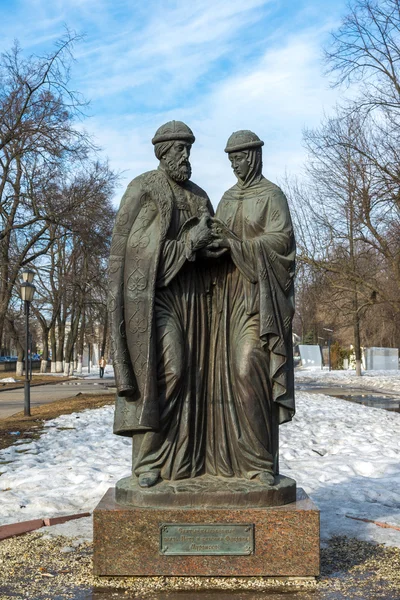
<point>275,541</point>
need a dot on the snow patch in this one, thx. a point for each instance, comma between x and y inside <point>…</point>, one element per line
<point>345,456</point>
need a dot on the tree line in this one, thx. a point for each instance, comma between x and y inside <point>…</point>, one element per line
<point>56,212</point>
<point>347,208</point>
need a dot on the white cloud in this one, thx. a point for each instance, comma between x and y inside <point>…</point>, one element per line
<point>171,50</point>
<point>277,97</point>
<point>144,63</point>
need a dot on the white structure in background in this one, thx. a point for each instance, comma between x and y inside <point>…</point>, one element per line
<point>381,359</point>
<point>83,361</point>
<point>94,356</point>
<point>310,356</point>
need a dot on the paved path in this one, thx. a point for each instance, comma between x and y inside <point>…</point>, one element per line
<point>12,401</point>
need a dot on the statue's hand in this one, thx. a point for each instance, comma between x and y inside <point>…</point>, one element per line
<point>200,235</point>
<point>221,234</point>
<point>214,244</point>
<point>220,242</point>
<point>211,251</point>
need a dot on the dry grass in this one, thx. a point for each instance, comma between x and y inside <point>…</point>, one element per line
<point>29,427</point>
<point>34,566</point>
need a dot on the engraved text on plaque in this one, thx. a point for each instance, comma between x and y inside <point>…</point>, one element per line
<point>214,538</point>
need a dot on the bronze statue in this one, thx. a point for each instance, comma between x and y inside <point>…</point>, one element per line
<point>159,296</point>
<point>251,388</point>
<point>200,400</point>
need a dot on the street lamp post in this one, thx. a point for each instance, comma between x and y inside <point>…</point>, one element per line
<point>322,354</point>
<point>330,332</point>
<point>27,291</point>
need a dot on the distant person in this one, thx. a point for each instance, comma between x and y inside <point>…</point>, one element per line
<point>102,366</point>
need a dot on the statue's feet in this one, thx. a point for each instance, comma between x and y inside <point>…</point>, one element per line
<point>267,478</point>
<point>149,478</point>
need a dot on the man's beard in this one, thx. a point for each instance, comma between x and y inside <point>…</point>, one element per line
<point>178,171</point>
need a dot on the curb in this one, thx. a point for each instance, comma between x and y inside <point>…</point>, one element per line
<point>21,387</point>
<point>7,531</point>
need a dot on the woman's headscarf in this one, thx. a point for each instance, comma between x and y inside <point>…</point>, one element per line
<point>254,159</point>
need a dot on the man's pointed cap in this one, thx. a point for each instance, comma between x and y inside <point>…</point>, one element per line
<point>243,140</point>
<point>173,130</point>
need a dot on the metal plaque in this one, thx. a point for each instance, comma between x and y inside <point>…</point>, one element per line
<point>215,538</point>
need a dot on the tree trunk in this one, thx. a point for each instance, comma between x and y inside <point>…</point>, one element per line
<point>4,281</point>
<point>53,348</point>
<point>105,335</point>
<point>73,334</point>
<point>60,346</point>
<point>45,355</point>
<point>3,351</point>
<point>81,341</point>
<point>19,371</point>
<point>357,340</point>
<point>45,341</point>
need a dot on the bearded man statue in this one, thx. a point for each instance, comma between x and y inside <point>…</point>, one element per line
<point>251,385</point>
<point>158,304</point>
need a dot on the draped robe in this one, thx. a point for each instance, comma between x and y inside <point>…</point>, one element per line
<point>251,387</point>
<point>159,325</point>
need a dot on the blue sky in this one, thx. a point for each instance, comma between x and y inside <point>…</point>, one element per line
<point>219,65</point>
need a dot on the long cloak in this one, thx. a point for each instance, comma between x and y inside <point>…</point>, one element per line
<point>251,384</point>
<point>139,249</point>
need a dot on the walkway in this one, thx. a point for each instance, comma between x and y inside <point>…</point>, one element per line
<point>12,401</point>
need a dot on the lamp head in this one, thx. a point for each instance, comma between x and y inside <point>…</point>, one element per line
<point>27,275</point>
<point>27,290</point>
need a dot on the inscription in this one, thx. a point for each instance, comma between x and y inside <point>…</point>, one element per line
<point>215,538</point>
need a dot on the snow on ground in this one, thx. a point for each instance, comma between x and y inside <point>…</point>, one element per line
<point>94,372</point>
<point>66,471</point>
<point>388,381</point>
<point>346,456</point>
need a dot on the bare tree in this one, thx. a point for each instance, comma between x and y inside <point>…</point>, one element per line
<point>366,49</point>
<point>72,286</point>
<point>37,138</point>
<point>332,233</point>
<point>347,211</point>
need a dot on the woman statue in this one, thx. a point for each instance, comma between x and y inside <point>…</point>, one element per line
<point>251,388</point>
